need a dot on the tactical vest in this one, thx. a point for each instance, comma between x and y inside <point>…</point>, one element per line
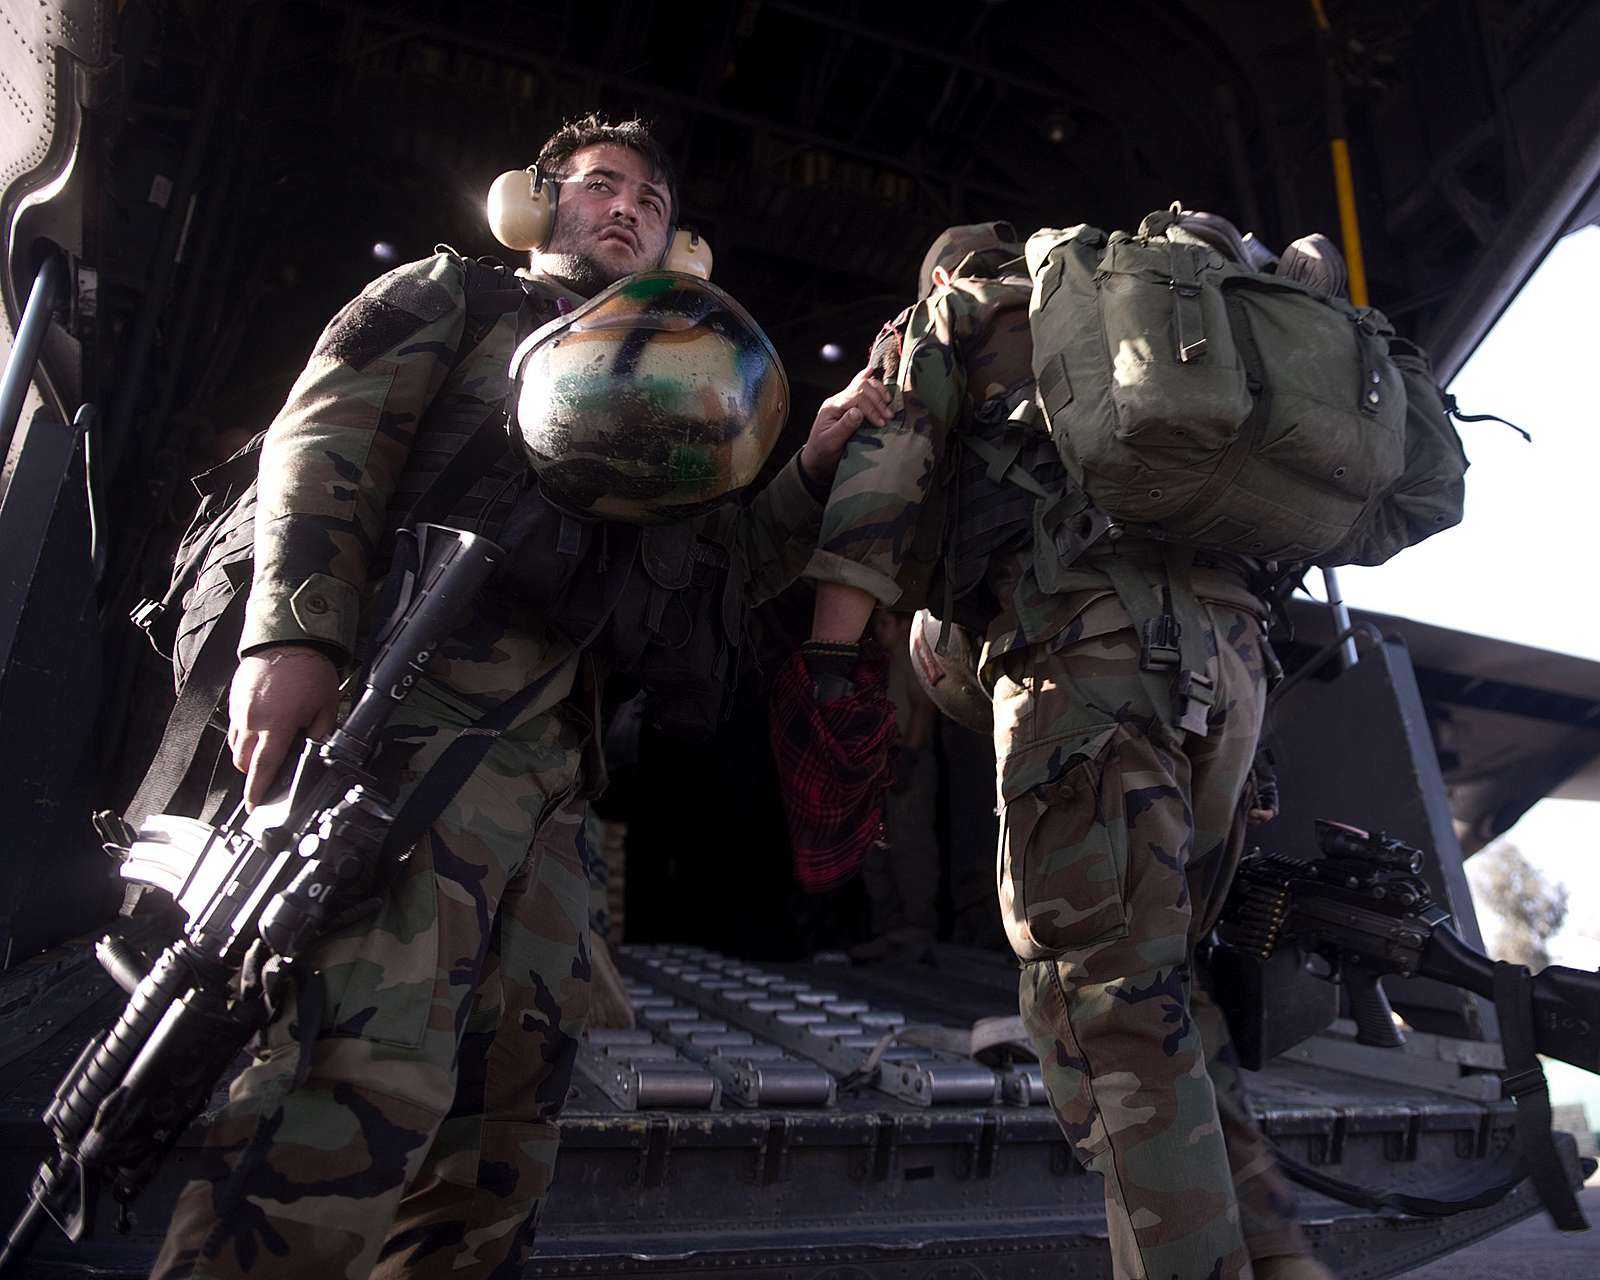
<point>669,613</point>
<point>656,604</point>
<point>1004,488</point>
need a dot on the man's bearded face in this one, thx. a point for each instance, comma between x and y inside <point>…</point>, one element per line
<point>612,219</point>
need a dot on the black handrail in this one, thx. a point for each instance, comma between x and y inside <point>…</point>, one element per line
<point>49,289</point>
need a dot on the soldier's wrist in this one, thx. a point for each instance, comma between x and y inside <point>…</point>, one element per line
<point>287,648</point>
<point>816,475</point>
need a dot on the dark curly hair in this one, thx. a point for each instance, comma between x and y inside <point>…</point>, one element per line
<point>594,130</point>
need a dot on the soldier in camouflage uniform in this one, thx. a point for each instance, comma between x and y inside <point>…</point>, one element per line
<point>400,1119</point>
<point>1119,831</point>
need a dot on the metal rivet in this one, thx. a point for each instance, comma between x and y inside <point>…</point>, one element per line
<point>1155,493</point>
<point>1374,377</point>
<point>1338,473</point>
<point>1373,397</point>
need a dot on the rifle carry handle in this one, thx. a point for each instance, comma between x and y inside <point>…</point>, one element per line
<point>454,566</point>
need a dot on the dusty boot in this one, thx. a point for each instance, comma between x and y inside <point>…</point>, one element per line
<point>1290,1266</point>
<point>609,1005</point>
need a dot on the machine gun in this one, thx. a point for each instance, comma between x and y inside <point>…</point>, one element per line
<point>1363,912</point>
<point>257,891</point>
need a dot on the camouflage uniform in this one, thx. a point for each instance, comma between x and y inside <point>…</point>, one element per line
<point>416,1135</point>
<point>1119,832</point>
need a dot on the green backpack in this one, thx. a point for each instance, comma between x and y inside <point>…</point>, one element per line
<point>1200,402</point>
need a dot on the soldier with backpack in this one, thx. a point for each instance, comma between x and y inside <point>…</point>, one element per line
<point>1092,457</point>
<point>400,1117</point>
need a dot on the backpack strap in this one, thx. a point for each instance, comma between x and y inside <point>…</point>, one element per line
<point>202,693</point>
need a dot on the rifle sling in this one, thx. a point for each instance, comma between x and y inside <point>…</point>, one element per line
<point>1525,1084</point>
<point>1534,1156</point>
<point>449,773</point>
<point>1478,1190</point>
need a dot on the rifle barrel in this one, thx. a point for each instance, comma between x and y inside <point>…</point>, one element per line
<point>22,1236</point>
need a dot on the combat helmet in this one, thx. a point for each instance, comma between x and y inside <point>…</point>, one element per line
<point>945,661</point>
<point>655,401</point>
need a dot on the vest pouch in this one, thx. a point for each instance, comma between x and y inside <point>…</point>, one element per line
<point>650,604</point>
<point>690,667</point>
<point>570,570</point>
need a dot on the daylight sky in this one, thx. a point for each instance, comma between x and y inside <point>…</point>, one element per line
<point>1521,565</point>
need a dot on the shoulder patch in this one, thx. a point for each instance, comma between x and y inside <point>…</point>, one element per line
<point>391,309</point>
<point>418,287</point>
<point>364,330</point>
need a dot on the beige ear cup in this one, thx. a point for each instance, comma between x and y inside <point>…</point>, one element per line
<point>522,210</point>
<point>688,254</point>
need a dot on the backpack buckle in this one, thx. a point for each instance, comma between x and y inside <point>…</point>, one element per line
<point>1195,696</point>
<point>146,612</point>
<point>1158,649</point>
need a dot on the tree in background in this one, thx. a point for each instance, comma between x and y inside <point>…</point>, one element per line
<point>1528,908</point>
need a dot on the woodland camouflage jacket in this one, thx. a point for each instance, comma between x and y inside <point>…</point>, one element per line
<point>399,377</point>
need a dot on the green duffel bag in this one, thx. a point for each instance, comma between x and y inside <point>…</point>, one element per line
<point>1200,402</point>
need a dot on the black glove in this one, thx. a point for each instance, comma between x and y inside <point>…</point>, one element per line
<point>832,667</point>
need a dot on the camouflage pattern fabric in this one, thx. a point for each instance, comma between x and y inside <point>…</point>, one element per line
<point>422,1137</point>
<point>978,248</point>
<point>1266,1200</point>
<point>397,380</point>
<point>598,872</point>
<point>1119,838</point>
<point>1118,834</point>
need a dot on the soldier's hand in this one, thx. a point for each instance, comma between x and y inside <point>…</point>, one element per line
<point>866,399</point>
<point>278,694</point>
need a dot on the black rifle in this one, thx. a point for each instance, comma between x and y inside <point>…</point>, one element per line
<point>1365,912</point>
<point>257,890</point>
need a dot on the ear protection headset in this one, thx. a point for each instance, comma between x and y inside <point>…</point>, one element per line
<point>522,216</point>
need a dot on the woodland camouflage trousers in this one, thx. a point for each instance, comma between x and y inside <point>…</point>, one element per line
<point>421,1138</point>
<point>1119,838</point>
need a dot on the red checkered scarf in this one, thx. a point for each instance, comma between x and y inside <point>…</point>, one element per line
<point>833,768</point>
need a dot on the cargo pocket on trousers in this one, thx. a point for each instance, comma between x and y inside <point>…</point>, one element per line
<point>380,975</point>
<point>1064,853</point>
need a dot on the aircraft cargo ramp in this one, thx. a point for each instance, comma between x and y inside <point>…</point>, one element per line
<point>741,1130</point>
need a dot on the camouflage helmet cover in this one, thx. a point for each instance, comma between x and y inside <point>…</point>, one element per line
<point>655,401</point>
<point>955,245</point>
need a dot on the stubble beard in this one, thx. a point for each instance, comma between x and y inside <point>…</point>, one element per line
<point>579,272</point>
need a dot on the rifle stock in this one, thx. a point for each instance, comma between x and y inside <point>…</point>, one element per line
<point>1566,1002</point>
